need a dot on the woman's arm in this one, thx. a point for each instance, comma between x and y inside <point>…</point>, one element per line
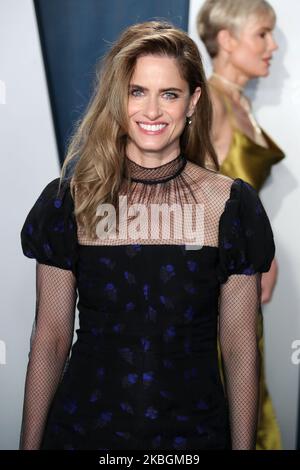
<point>50,346</point>
<point>268,282</point>
<point>239,303</point>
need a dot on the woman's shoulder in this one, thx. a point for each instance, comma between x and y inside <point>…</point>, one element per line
<point>49,231</point>
<point>221,192</point>
<point>211,182</point>
<point>246,242</point>
<point>56,188</point>
<point>54,201</point>
<point>55,197</point>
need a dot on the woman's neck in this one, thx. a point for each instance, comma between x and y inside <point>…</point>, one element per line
<point>151,159</point>
<point>230,80</point>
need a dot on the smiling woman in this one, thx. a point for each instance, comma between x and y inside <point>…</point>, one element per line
<point>143,373</point>
<point>158,106</point>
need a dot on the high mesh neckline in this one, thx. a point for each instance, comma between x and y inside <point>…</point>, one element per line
<point>157,175</point>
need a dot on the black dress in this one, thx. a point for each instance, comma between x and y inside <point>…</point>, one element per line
<point>143,372</point>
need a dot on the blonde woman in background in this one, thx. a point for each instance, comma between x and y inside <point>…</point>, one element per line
<point>238,35</point>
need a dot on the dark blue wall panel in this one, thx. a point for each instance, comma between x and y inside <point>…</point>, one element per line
<point>75,34</point>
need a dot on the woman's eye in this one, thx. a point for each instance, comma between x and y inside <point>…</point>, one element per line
<point>170,96</point>
<point>136,92</point>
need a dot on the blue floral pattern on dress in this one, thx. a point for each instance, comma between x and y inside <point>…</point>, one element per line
<point>144,370</point>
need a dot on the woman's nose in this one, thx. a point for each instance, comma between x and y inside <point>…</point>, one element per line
<point>273,44</point>
<point>152,108</point>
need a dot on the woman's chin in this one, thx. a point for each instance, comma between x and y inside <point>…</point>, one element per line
<point>266,73</point>
<point>260,74</point>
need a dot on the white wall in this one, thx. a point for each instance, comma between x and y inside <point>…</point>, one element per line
<point>28,161</point>
<point>276,100</point>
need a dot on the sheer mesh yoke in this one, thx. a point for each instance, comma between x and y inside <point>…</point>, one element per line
<point>149,310</point>
<point>185,186</point>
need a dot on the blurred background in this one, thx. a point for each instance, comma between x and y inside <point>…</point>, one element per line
<point>48,53</point>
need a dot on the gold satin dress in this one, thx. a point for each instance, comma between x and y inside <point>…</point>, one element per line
<point>252,162</point>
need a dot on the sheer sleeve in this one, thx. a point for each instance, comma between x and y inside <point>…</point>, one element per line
<point>246,249</point>
<point>49,348</point>
<point>49,236</point>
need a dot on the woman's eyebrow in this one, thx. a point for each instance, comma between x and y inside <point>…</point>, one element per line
<point>161,90</point>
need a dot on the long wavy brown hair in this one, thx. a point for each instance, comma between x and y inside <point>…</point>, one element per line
<point>95,159</point>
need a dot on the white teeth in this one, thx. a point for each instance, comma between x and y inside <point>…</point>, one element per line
<point>152,127</point>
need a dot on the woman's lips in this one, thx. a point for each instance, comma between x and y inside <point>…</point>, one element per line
<point>267,61</point>
<point>152,129</point>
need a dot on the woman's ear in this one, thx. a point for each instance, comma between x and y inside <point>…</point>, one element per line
<point>193,101</point>
<point>226,40</point>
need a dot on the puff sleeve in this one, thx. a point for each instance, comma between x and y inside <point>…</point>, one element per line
<point>49,233</point>
<point>246,243</point>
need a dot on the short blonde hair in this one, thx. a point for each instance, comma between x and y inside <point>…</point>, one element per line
<point>216,15</point>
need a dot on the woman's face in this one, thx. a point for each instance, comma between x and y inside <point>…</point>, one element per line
<point>159,102</point>
<point>254,47</point>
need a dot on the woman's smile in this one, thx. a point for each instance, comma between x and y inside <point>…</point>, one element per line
<point>152,128</point>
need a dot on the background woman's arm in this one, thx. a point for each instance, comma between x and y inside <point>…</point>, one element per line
<point>268,282</point>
